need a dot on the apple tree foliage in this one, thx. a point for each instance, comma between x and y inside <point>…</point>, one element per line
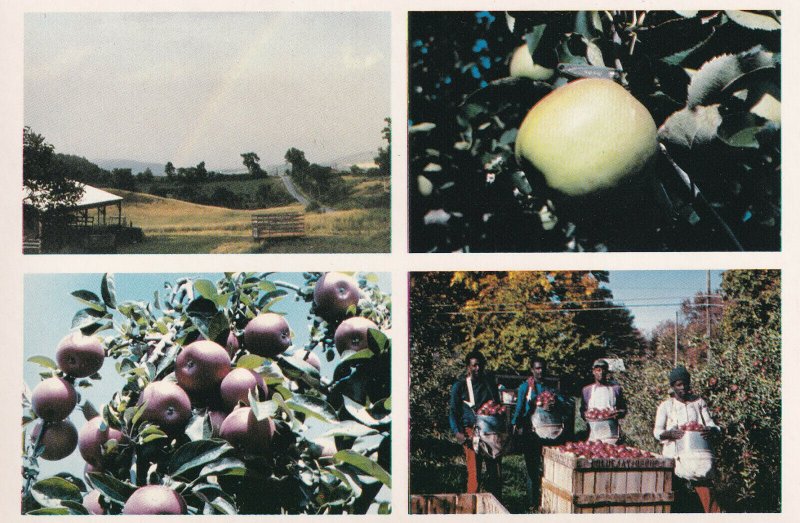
<point>302,473</point>
<point>741,382</point>
<point>710,79</point>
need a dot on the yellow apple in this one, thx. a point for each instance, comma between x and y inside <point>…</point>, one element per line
<point>587,136</point>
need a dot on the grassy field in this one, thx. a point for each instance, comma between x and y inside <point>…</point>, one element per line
<point>176,227</point>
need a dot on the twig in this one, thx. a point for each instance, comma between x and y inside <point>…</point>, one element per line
<point>697,195</point>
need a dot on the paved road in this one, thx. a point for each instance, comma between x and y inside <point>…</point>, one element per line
<point>290,187</point>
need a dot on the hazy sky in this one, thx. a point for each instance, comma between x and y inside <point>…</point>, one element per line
<point>192,87</point>
<point>654,296</point>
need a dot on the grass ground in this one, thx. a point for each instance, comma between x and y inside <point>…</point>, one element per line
<point>176,227</point>
<point>450,475</point>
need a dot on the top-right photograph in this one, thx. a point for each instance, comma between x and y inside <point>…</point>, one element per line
<point>594,131</point>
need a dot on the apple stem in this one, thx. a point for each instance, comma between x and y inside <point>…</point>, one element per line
<point>698,196</point>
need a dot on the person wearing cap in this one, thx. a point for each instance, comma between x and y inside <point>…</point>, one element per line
<point>466,396</point>
<point>682,408</point>
<point>527,393</point>
<point>603,395</point>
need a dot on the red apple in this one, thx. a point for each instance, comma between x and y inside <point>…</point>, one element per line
<point>267,335</point>
<point>92,503</point>
<point>154,499</point>
<point>351,334</point>
<point>309,357</point>
<point>232,344</point>
<point>59,439</point>
<point>53,399</point>
<point>80,356</point>
<point>91,441</point>
<point>201,366</point>
<point>334,293</point>
<point>242,430</point>
<point>167,405</point>
<point>237,385</point>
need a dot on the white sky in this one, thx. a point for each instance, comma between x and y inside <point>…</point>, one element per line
<point>192,87</point>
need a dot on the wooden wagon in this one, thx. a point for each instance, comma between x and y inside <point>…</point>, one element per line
<point>579,485</point>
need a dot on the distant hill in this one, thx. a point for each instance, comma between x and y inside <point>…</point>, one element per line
<point>363,159</point>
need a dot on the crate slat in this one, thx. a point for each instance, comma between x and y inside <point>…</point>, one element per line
<point>579,485</point>
<point>481,503</point>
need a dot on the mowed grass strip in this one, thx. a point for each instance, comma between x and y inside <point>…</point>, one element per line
<point>176,227</point>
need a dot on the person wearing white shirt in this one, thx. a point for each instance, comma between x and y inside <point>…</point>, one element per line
<point>682,409</point>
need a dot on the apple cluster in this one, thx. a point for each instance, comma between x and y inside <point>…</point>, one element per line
<point>692,426</point>
<point>600,414</point>
<point>545,400</point>
<point>491,408</point>
<point>54,398</point>
<point>206,378</point>
<point>602,450</point>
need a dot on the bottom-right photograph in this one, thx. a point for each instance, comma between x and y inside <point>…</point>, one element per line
<point>595,391</point>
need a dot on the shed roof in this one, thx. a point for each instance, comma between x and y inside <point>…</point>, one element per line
<point>92,197</point>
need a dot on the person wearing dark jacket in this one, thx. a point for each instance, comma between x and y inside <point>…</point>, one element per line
<point>527,395</point>
<point>466,396</point>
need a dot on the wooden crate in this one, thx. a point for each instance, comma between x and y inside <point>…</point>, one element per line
<point>578,485</point>
<point>481,503</point>
<point>278,225</point>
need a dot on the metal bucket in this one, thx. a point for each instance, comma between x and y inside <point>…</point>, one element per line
<point>694,459</point>
<point>606,430</point>
<point>693,442</point>
<point>547,425</point>
<point>491,424</point>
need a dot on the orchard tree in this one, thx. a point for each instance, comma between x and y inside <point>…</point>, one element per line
<point>46,186</point>
<point>566,317</point>
<point>384,158</point>
<point>169,170</point>
<point>297,159</point>
<point>742,384</point>
<point>250,161</point>
<point>217,412</point>
<point>495,163</point>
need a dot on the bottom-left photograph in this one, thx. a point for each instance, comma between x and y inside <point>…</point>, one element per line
<point>228,393</point>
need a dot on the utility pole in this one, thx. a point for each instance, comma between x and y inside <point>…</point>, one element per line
<point>675,364</point>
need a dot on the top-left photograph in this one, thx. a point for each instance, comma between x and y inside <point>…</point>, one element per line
<point>197,133</point>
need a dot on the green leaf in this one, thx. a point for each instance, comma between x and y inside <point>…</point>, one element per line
<point>108,291</point>
<point>49,492</point>
<point>218,326</point>
<point>75,508</point>
<point>715,78</point>
<point>226,467</point>
<point>250,361</point>
<point>263,409</point>
<point>360,413</point>
<point>196,454</point>
<point>198,427</point>
<point>89,299</point>
<point>44,362</point>
<point>378,341</point>
<point>312,406</point>
<point>364,464</point>
<point>691,127</point>
<point>349,428</point>
<point>86,317</point>
<point>755,20</point>
<point>111,487</point>
<point>206,289</point>
<point>55,511</point>
<point>423,127</point>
